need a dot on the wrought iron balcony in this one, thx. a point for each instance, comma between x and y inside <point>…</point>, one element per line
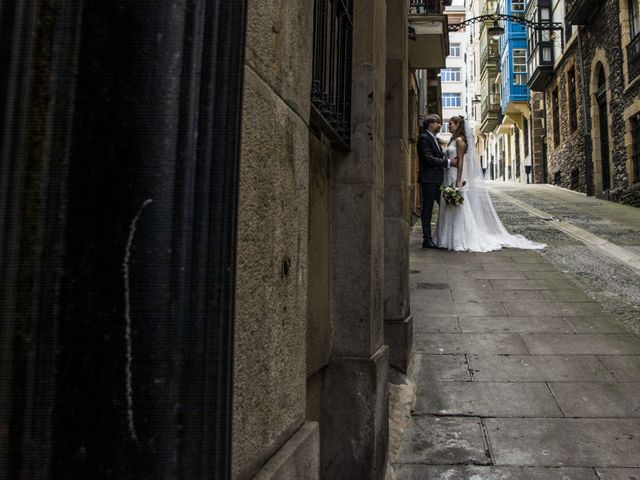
<point>633,57</point>
<point>426,7</point>
<point>490,57</point>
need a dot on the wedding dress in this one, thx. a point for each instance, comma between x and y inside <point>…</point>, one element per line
<point>473,226</point>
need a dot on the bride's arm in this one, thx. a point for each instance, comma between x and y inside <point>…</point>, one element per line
<point>460,148</point>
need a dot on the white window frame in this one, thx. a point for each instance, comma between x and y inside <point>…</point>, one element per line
<point>452,48</point>
<point>520,69</point>
<point>451,75</point>
<point>449,100</point>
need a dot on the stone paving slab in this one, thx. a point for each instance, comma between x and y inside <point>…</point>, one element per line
<point>444,441</point>
<point>581,344</point>
<point>525,308</point>
<point>514,325</point>
<point>604,324</point>
<point>473,295</point>
<point>582,442</point>
<point>434,323</point>
<point>618,473</point>
<point>520,267</point>
<point>551,275</point>
<point>544,284</point>
<point>487,275</point>
<point>472,472</point>
<point>435,343</point>
<point>442,307</point>
<point>624,368</point>
<point>442,368</point>
<point>486,399</point>
<point>569,295</point>
<point>598,399</point>
<point>538,368</point>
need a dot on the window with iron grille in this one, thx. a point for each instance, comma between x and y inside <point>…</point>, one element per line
<point>556,117</point>
<point>331,82</point>
<point>635,132</point>
<point>634,17</point>
<point>575,179</point>
<point>573,114</point>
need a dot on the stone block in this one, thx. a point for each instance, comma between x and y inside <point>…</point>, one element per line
<point>278,47</point>
<point>398,336</point>
<point>538,368</point>
<point>396,268</point>
<point>582,344</point>
<point>444,440</point>
<point>598,399</point>
<point>355,413</point>
<point>618,473</point>
<point>514,325</point>
<point>580,442</point>
<point>461,343</point>
<point>486,399</point>
<point>567,309</point>
<point>497,296</point>
<point>298,458</point>
<point>435,323</point>
<point>473,472</point>
<point>441,368</point>
<point>600,324</point>
<point>625,368</point>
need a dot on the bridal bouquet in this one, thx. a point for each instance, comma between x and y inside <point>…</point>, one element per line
<point>452,195</point>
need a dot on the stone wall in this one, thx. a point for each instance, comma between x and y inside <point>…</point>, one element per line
<point>601,46</point>
<point>271,284</point>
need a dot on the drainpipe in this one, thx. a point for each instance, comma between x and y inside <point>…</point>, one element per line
<point>588,167</point>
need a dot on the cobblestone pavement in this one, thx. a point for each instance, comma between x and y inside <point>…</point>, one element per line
<point>526,364</point>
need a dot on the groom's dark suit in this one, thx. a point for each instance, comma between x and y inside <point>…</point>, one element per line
<point>430,177</point>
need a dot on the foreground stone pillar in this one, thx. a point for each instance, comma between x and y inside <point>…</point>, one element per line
<point>355,400</point>
<point>398,324</point>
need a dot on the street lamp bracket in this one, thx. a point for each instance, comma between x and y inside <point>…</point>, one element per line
<point>496,17</point>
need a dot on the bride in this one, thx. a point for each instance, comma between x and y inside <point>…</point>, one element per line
<point>473,226</point>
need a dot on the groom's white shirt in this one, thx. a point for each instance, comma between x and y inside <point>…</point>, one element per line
<point>438,143</point>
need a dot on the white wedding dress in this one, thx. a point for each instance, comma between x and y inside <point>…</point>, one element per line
<point>473,226</point>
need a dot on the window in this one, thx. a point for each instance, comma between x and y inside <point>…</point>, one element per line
<point>454,50</point>
<point>451,100</point>
<point>635,155</point>
<point>634,18</point>
<point>519,66</point>
<point>445,126</point>
<point>525,128</point>
<point>555,103</point>
<point>450,74</point>
<point>517,6</point>
<point>573,115</point>
<point>331,67</point>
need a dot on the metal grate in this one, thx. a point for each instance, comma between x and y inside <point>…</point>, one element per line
<point>331,84</point>
<point>633,57</point>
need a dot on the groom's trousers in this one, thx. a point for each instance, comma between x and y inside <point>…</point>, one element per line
<point>429,193</point>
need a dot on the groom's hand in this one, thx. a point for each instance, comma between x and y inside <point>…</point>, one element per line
<point>454,162</point>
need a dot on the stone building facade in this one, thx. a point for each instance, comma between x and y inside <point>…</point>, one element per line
<point>612,101</point>
<point>207,265</point>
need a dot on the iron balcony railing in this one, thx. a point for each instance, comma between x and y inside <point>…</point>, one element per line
<point>490,107</point>
<point>331,83</point>
<point>633,57</point>
<point>489,54</point>
<point>425,7</point>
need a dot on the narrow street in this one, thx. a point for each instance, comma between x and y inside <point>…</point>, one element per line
<point>526,364</point>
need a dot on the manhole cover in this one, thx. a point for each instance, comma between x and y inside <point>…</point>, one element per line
<point>433,286</point>
<point>414,271</point>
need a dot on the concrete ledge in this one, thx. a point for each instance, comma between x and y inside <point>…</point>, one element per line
<point>398,336</point>
<point>355,417</point>
<point>298,458</point>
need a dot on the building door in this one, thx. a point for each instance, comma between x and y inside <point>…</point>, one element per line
<point>118,200</point>
<point>601,98</point>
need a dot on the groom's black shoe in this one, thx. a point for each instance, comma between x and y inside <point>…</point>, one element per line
<point>428,244</point>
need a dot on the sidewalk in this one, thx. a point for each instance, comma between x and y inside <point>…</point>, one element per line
<point>519,374</point>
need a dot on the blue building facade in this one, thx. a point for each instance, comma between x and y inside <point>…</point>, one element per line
<point>513,55</point>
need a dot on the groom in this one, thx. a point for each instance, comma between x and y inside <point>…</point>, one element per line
<point>432,164</point>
